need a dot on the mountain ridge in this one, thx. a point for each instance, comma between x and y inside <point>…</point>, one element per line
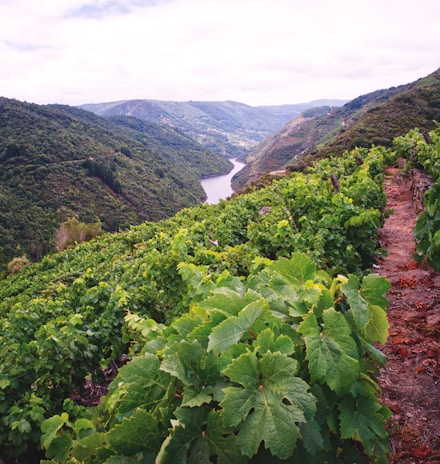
<point>228,128</point>
<point>373,118</point>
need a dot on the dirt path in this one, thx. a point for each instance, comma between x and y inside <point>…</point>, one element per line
<point>410,381</point>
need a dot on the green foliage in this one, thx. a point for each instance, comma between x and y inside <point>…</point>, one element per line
<point>58,162</point>
<point>426,154</point>
<point>245,372</point>
<point>427,229</point>
<point>68,316</point>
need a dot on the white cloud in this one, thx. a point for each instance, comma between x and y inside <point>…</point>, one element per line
<point>257,52</point>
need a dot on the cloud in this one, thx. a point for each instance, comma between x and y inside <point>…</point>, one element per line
<point>258,52</point>
<point>102,9</point>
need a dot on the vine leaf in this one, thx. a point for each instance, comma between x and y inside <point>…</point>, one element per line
<point>50,428</point>
<point>362,419</point>
<point>373,289</point>
<point>228,301</point>
<point>358,304</point>
<point>200,438</point>
<point>190,363</point>
<point>266,341</point>
<point>135,434</point>
<point>377,328</point>
<point>298,269</point>
<point>332,353</point>
<point>140,383</point>
<point>268,404</point>
<point>232,329</point>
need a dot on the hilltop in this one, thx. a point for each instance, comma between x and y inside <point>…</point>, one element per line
<point>59,162</point>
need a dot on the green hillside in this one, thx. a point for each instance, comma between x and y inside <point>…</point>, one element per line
<point>415,105</point>
<point>238,320</point>
<point>228,128</point>
<point>59,162</point>
<point>371,119</point>
<point>76,311</point>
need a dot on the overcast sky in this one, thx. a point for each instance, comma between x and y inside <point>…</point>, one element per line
<point>258,52</point>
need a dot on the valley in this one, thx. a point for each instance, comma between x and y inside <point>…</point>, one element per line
<point>295,321</point>
<point>228,128</point>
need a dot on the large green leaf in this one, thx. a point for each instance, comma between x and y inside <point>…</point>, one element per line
<point>298,269</point>
<point>135,434</point>
<point>362,419</point>
<point>50,427</point>
<point>59,448</point>
<point>374,288</point>
<point>377,328</point>
<point>200,438</point>
<point>231,330</point>
<point>266,341</point>
<point>91,445</point>
<point>269,403</point>
<point>331,352</point>
<point>292,281</point>
<point>191,364</point>
<point>140,383</point>
<point>229,301</point>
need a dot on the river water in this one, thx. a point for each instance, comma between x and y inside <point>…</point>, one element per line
<point>219,187</point>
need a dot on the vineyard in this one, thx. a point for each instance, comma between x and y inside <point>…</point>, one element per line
<point>250,328</point>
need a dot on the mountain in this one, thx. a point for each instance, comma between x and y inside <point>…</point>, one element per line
<point>228,128</point>
<point>268,154</point>
<point>59,162</point>
<point>371,119</point>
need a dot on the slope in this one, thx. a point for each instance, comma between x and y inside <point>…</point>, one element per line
<point>275,151</point>
<point>371,119</point>
<point>66,316</point>
<point>59,161</point>
<point>228,128</point>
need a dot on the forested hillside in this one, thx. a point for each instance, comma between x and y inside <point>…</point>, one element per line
<point>59,162</point>
<point>372,119</point>
<point>228,128</point>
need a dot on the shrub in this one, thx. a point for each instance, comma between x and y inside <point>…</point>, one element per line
<point>16,265</point>
<point>72,232</point>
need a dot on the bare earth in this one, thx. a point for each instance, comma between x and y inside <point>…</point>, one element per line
<point>410,381</point>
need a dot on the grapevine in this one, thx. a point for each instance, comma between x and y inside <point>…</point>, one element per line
<point>426,155</point>
<point>269,366</point>
<point>64,319</point>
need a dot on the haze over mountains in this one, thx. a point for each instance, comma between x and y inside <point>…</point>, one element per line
<point>228,128</point>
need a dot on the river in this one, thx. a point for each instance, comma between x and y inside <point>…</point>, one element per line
<point>219,187</point>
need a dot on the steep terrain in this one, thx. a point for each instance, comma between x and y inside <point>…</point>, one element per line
<point>228,128</point>
<point>371,119</point>
<point>275,151</point>
<point>59,162</point>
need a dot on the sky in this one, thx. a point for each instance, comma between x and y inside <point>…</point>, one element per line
<point>258,52</point>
